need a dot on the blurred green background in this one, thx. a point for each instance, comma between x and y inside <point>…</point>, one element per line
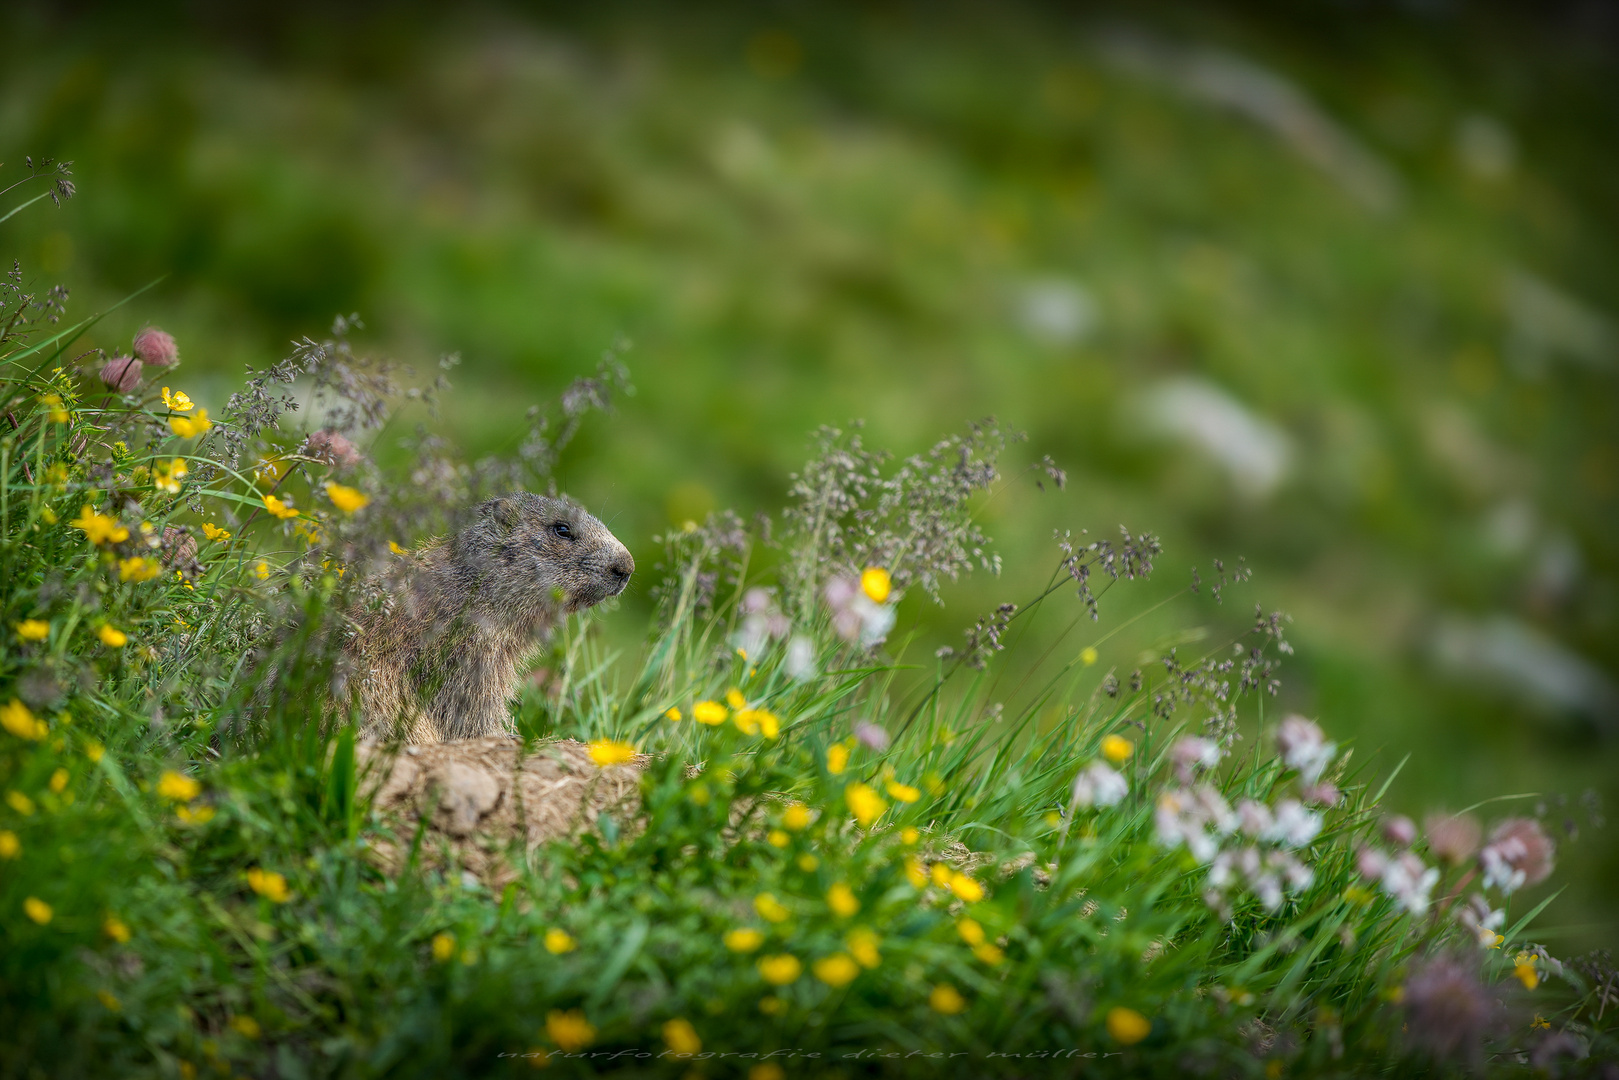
<point>1327,286</point>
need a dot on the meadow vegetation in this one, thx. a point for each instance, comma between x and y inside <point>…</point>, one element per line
<point>848,856</point>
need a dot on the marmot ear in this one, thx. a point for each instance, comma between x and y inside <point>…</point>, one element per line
<point>504,511</point>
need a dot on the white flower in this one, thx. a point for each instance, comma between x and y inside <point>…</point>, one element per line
<point>1191,752</point>
<point>1184,817</point>
<point>800,662</point>
<point>1099,785</point>
<point>1254,818</point>
<point>1410,882</point>
<point>1304,747</point>
<point>1294,826</point>
<point>855,616</point>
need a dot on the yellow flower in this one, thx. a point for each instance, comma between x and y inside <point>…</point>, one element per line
<point>20,803</point>
<point>172,785</point>
<point>37,909</point>
<point>770,908</point>
<point>808,862</point>
<point>946,999</point>
<point>569,1030</point>
<point>166,478</point>
<point>93,750</point>
<point>605,752</point>
<point>866,805</point>
<point>1540,1023</point>
<point>17,719</point>
<point>268,883</point>
<point>989,954</point>
<point>110,1000</point>
<point>280,509</point>
<point>1088,655</point>
<point>778,838</point>
<point>780,968</point>
<point>59,780</point>
<point>214,532</point>
<point>767,1070</point>
<point>1489,938</point>
<point>395,548</point>
<point>1524,969</point>
<point>137,569</point>
<point>734,698</point>
<point>247,1026</point>
<point>33,629</point>
<point>202,815</point>
<point>1117,749</point>
<point>744,939</point>
<point>836,970</point>
<point>875,583</point>
<point>862,944</point>
<point>797,816</point>
<point>711,713</point>
<point>189,427</point>
<point>681,1038</point>
<point>177,400</point>
<point>771,1005</point>
<point>99,528</point>
<point>914,873</point>
<point>1127,1026</point>
<point>10,847</point>
<point>558,941</point>
<point>903,792</point>
<point>112,637</point>
<point>966,888</point>
<point>347,499</point>
<point>837,758</point>
<point>261,570</point>
<point>971,932</point>
<point>841,899</point>
<point>443,946</point>
<point>672,714</point>
<point>909,835</point>
<point>53,403</point>
<point>757,721</point>
<point>940,872</point>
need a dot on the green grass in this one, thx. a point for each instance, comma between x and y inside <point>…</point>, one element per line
<point>852,237</point>
<point>190,884</point>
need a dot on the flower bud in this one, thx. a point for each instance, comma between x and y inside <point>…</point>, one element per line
<point>121,374</point>
<point>156,347</point>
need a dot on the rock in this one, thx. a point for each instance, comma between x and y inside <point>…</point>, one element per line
<point>488,804</point>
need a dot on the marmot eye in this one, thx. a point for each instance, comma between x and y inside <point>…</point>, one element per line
<point>562,530</point>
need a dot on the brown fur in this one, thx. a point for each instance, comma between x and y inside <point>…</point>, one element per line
<point>442,660</point>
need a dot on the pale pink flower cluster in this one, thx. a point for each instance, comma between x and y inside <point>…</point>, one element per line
<point>1305,748</point>
<point>873,736</point>
<point>1191,754</point>
<point>1519,853</point>
<point>856,617</point>
<point>761,622</point>
<point>1405,877</point>
<point>1289,825</point>
<point>1099,785</point>
<point>1197,817</point>
<point>1267,874</point>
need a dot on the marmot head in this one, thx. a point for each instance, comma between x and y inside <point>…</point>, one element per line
<point>534,553</point>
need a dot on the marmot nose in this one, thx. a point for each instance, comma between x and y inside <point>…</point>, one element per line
<point>622,569</point>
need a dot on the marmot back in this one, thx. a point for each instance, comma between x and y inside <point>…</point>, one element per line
<point>441,661</point>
